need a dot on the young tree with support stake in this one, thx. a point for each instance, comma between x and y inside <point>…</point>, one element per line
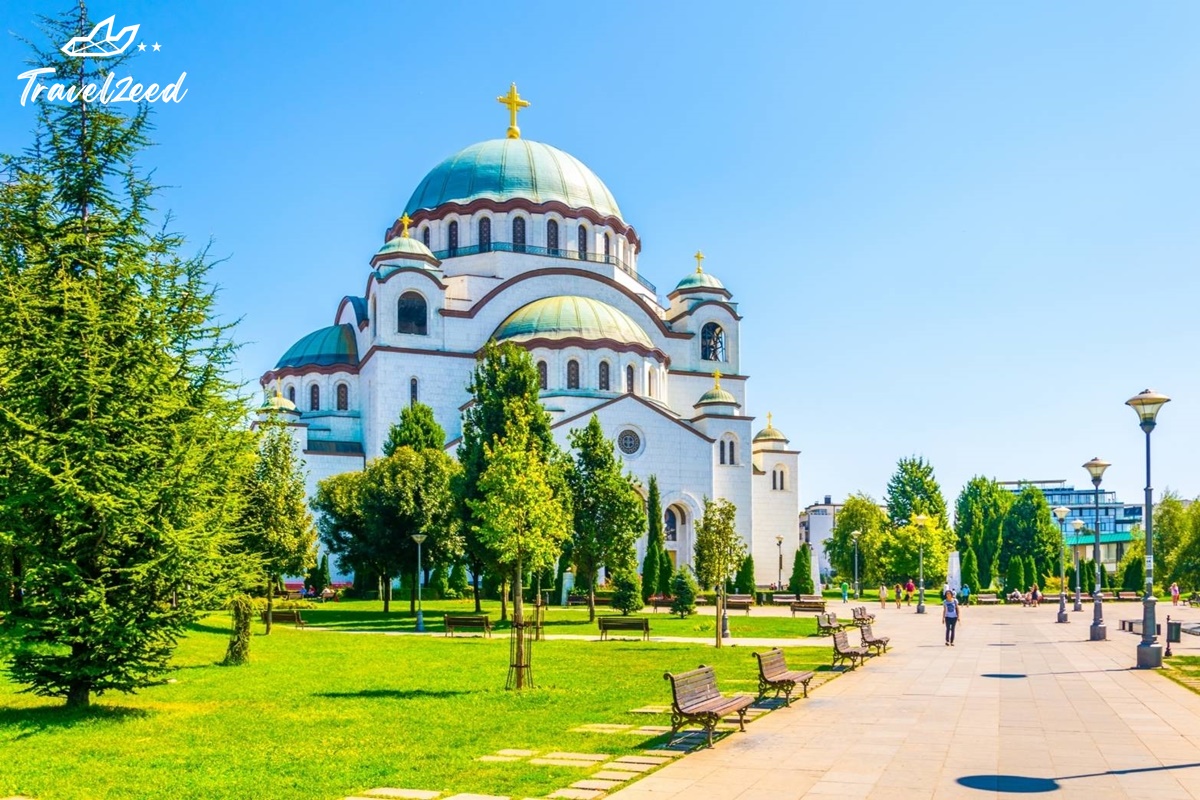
<point>720,550</point>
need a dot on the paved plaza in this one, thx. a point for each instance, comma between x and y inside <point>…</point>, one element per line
<point>1021,705</point>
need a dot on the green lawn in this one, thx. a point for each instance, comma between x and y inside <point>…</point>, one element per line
<point>368,615</point>
<point>322,715</point>
<point>1184,670</point>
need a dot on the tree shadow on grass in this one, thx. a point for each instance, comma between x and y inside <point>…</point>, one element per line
<point>31,721</point>
<point>200,627</point>
<point>394,694</point>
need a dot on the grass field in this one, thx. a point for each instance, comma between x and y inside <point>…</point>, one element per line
<point>322,715</point>
<point>367,615</point>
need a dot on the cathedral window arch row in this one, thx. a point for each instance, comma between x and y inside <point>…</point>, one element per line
<point>290,392</point>
<point>341,396</point>
<point>728,450</point>
<point>779,479</point>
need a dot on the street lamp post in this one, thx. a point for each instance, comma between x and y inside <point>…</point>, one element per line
<point>779,544</point>
<point>1061,512</point>
<point>920,520</point>
<point>854,535</point>
<point>418,538</point>
<point>1077,525</point>
<point>1098,633</point>
<point>1149,654</point>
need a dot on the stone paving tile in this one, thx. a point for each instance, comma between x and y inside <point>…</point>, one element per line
<point>580,756</point>
<point>406,794</point>
<point>615,775</point>
<point>577,794</point>
<point>562,762</point>
<point>645,759</point>
<point>629,766</point>
<point>596,783</point>
<point>469,796</point>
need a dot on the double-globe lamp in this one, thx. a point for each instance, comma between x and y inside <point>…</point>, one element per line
<point>1061,513</point>
<point>1149,653</point>
<point>1097,633</point>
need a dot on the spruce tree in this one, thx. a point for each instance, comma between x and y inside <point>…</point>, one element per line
<point>1133,579</point>
<point>122,440</point>
<point>1032,573</point>
<point>654,540</point>
<point>417,429</point>
<point>970,570</point>
<point>683,593</point>
<point>801,581</point>
<point>1015,578</point>
<point>744,581</point>
<point>666,573</point>
<point>627,591</point>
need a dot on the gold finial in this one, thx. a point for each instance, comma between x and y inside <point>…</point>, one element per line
<point>513,102</point>
<point>769,425</point>
<point>405,221</point>
<point>278,380</point>
<point>699,257</point>
<point>717,379</point>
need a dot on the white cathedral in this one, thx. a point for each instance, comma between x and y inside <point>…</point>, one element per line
<point>512,239</point>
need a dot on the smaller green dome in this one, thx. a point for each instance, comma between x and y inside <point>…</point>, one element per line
<point>276,402</point>
<point>571,316</point>
<point>323,348</point>
<point>717,396</point>
<point>700,280</point>
<point>770,433</point>
<point>404,247</point>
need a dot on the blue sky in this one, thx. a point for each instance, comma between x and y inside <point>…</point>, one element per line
<point>966,231</point>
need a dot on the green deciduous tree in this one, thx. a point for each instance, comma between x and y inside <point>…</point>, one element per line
<point>278,526</point>
<point>1029,530</point>
<point>801,581</point>
<point>913,490</point>
<point>608,512</point>
<point>417,429</point>
<point>518,518</point>
<point>860,513</point>
<point>978,521</point>
<point>122,440</point>
<point>720,549</point>
<point>900,554</point>
<point>683,593</point>
<point>1177,542</point>
<point>970,570</point>
<point>654,540</point>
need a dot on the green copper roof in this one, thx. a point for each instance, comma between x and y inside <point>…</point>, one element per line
<point>770,434</point>
<point>699,280</point>
<point>323,348</point>
<point>502,169</point>
<point>405,247</point>
<point>571,316</point>
<point>716,395</point>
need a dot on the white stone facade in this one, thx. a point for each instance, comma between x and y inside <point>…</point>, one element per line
<point>471,287</point>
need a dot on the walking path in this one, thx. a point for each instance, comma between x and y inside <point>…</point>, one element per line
<point>1021,705</point>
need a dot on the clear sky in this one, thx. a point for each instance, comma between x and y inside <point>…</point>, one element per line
<point>961,230</point>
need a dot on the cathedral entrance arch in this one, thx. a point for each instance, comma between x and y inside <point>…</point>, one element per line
<point>678,527</point>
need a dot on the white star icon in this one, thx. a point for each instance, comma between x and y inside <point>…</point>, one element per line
<point>142,47</point>
<point>157,47</point>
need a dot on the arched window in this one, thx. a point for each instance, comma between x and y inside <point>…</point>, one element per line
<point>629,379</point>
<point>485,235</point>
<point>670,526</point>
<point>572,374</point>
<point>607,248</point>
<point>543,381</point>
<point>603,382</point>
<point>773,474</point>
<point>650,393</point>
<point>453,239</point>
<point>343,397</point>
<point>781,480</point>
<point>291,393</point>
<point>552,238</point>
<point>411,314</point>
<point>425,235</point>
<point>732,458</point>
<point>721,445</point>
<point>519,235</point>
<point>582,237</point>
<point>314,398</point>
<point>712,342</point>
<point>413,391</point>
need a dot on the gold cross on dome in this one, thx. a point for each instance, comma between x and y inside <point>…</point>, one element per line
<point>514,103</point>
<point>769,419</point>
<point>699,257</point>
<point>717,379</point>
<point>405,221</point>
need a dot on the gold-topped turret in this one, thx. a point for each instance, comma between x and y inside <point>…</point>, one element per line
<point>405,221</point>
<point>514,103</point>
<point>717,380</point>
<point>699,257</point>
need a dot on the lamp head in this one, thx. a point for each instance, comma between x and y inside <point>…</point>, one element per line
<point>418,537</point>
<point>1147,404</point>
<point>1077,525</point>
<point>920,519</point>
<point>855,535</point>
<point>1096,468</point>
<point>1061,512</point>
<point>779,541</point>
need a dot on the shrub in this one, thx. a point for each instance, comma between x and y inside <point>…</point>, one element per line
<point>627,592</point>
<point>458,580</point>
<point>1134,577</point>
<point>439,583</point>
<point>238,652</point>
<point>1032,573</point>
<point>1015,577</point>
<point>801,581</point>
<point>683,590</point>
<point>743,582</point>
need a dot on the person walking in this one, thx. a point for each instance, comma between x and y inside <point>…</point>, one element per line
<point>899,590</point>
<point>950,614</point>
<point>909,588</point>
<point>883,595</point>
<point>1174,594</point>
<point>845,590</point>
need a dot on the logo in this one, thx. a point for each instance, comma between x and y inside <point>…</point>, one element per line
<point>100,43</point>
<point>92,46</point>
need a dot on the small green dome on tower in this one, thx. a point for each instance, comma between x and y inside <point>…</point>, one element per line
<point>770,433</point>
<point>571,316</point>
<point>323,348</point>
<point>716,395</point>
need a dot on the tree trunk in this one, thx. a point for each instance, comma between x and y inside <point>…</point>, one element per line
<point>79,695</point>
<point>503,599</point>
<point>387,593</point>
<point>592,599</point>
<point>475,577</point>
<point>518,625</point>
<point>16,581</point>
<point>412,598</point>
<point>720,611</point>
<point>270,601</point>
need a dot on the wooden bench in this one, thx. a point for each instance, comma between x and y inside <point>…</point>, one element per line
<point>860,616</point>
<point>613,623</point>
<point>871,641</point>
<point>658,601</point>
<point>807,604</point>
<point>452,622</point>
<point>773,674</point>
<point>986,599</point>
<point>581,600</point>
<point>782,599</point>
<point>291,615</point>
<point>696,701</point>
<point>1128,596</point>
<point>844,651</point>
<point>1104,596</point>
<point>828,623</point>
<point>739,601</point>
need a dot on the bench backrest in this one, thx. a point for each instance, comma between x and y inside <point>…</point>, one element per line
<point>867,635</point>
<point>860,612</point>
<point>693,687</point>
<point>784,598</point>
<point>841,642</point>
<point>810,598</point>
<point>771,662</point>
<point>466,619</point>
<point>739,598</point>
<point>985,597</point>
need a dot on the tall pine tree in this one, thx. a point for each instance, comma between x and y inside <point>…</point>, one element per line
<point>654,540</point>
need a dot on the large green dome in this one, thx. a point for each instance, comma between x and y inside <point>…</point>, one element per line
<point>505,169</point>
<point>568,317</point>
<point>322,348</point>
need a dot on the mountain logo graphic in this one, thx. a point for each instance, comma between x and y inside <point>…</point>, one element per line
<point>101,42</point>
